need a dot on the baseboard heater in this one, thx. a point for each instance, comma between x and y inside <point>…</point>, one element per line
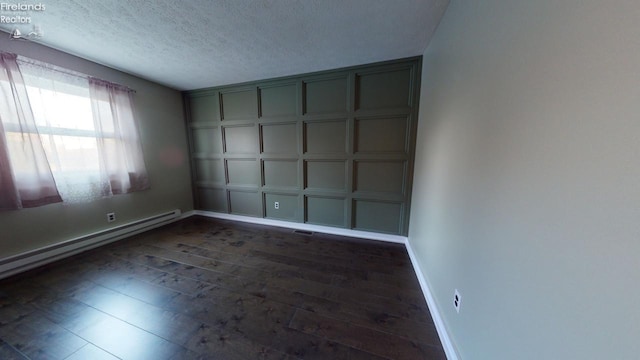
<point>38,257</point>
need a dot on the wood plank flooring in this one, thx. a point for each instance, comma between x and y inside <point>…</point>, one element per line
<point>211,289</point>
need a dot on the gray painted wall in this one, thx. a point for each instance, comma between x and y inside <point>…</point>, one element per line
<point>527,186</point>
<point>332,148</point>
<point>163,136</point>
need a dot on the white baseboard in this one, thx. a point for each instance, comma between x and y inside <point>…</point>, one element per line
<point>306,227</point>
<point>445,339</point>
<point>186,214</point>
<point>31,259</point>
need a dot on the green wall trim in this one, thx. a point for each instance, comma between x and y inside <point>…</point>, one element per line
<point>332,148</point>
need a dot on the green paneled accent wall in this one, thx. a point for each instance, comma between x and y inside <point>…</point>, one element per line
<point>240,139</point>
<point>279,138</point>
<point>379,176</point>
<point>238,105</point>
<point>325,137</point>
<point>211,199</point>
<point>288,206</point>
<point>326,95</point>
<point>377,215</point>
<point>245,203</point>
<point>331,148</point>
<point>278,100</point>
<point>242,172</point>
<point>325,211</point>
<point>280,174</point>
<point>381,135</point>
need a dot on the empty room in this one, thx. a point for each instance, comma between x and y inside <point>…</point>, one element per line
<point>280,179</point>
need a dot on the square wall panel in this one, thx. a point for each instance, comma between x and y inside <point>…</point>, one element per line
<point>243,172</point>
<point>379,176</point>
<point>280,138</point>
<point>377,216</point>
<point>206,141</point>
<point>245,203</point>
<point>325,175</point>
<point>212,199</point>
<point>240,139</point>
<point>280,173</point>
<point>278,100</point>
<point>239,105</point>
<point>325,96</point>
<point>333,148</point>
<point>325,211</point>
<point>381,135</point>
<point>390,89</point>
<point>325,137</point>
<point>209,170</point>
<point>287,206</point>
<point>203,108</point>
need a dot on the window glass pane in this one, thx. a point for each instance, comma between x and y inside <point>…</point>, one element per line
<point>59,109</point>
<point>71,153</point>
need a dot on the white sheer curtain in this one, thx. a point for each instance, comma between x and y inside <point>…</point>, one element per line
<point>88,131</point>
<point>119,147</point>
<point>62,109</point>
<point>25,176</point>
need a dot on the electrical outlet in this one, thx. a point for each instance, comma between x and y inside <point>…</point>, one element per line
<point>276,205</point>
<point>111,217</point>
<point>457,300</point>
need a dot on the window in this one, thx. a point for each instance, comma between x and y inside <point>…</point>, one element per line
<point>86,128</point>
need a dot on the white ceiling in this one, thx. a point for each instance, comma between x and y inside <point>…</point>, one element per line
<point>201,43</point>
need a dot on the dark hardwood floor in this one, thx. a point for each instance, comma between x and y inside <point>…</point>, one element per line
<point>210,289</point>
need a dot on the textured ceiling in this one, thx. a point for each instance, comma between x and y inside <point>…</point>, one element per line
<point>200,43</point>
